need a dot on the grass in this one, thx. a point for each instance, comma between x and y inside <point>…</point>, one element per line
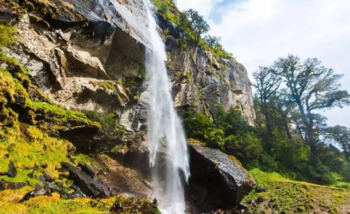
<point>53,204</point>
<point>287,196</point>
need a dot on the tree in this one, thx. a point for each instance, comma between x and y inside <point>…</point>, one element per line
<point>196,23</point>
<point>312,87</point>
<point>340,135</point>
<point>266,84</point>
<point>212,41</point>
<point>283,107</point>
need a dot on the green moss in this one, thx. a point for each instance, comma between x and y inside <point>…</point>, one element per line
<point>6,34</point>
<point>109,122</point>
<point>295,197</point>
<point>61,116</point>
<point>106,85</point>
<point>28,146</point>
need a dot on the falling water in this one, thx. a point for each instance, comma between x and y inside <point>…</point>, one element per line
<point>164,129</point>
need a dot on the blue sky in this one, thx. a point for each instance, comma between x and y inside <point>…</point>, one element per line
<point>257,32</point>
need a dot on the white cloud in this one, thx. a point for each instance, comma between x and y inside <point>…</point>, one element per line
<point>258,32</point>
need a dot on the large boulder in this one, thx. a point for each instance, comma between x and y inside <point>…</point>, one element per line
<point>91,186</point>
<point>218,181</point>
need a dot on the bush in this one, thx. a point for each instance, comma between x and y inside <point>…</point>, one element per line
<point>163,7</point>
<point>317,172</point>
<point>202,128</point>
<point>346,173</point>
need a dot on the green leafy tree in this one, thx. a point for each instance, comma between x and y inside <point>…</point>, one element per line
<point>340,135</point>
<point>196,23</point>
<point>312,87</point>
<point>266,84</point>
<point>212,41</point>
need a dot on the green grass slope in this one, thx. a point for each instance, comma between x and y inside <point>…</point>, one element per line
<point>283,195</point>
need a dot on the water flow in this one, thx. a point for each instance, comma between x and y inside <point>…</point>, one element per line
<point>164,129</point>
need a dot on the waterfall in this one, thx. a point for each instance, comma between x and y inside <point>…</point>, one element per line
<point>164,129</point>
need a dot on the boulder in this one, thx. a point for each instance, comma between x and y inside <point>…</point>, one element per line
<point>87,184</point>
<point>11,185</point>
<point>12,171</point>
<point>217,180</point>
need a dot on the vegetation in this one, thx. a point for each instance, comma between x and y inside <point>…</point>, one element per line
<point>194,26</point>
<point>287,196</point>
<point>53,204</point>
<point>289,137</point>
<point>6,34</point>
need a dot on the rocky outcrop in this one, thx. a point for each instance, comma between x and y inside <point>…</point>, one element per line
<point>217,180</point>
<point>91,186</point>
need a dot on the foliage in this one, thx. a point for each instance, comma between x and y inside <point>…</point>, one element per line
<point>311,87</point>
<point>202,128</point>
<point>109,122</point>
<point>346,173</point>
<point>194,27</point>
<point>228,132</point>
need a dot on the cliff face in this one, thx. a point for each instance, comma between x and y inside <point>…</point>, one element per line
<point>96,63</point>
<point>89,56</point>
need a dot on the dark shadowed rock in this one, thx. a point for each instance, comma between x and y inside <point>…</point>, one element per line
<point>260,199</point>
<point>11,185</point>
<point>87,169</point>
<point>12,171</point>
<point>217,180</point>
<point>260,188</point>
<point>87,184</point>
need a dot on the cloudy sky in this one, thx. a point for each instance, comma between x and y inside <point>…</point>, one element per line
<point>258,32</point>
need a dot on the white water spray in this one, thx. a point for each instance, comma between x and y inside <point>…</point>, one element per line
<point>164,129</point>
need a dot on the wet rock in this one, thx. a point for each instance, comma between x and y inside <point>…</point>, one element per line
<point>87,169</point>
<point>11,185</point>
<point>87,184</point>
<point>216,179</point>
<point>38,191</point>
<point>12,171</point>
<point>260,188</point>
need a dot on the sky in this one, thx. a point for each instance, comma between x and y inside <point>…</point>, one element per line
<point>258,32</point>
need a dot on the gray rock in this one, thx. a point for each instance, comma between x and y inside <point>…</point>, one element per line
<point>87,184</point>
<point>12,171</point>
<point>225,180</point>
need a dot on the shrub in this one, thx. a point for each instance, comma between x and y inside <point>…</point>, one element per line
<point>317,172</point>
<point>163,7</point>
<point>346,173</point>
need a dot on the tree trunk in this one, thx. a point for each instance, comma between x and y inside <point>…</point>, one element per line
<point>346,152</point>
<point>307,120</point>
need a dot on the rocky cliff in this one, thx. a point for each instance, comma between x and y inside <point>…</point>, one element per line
<point>88,56</point>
